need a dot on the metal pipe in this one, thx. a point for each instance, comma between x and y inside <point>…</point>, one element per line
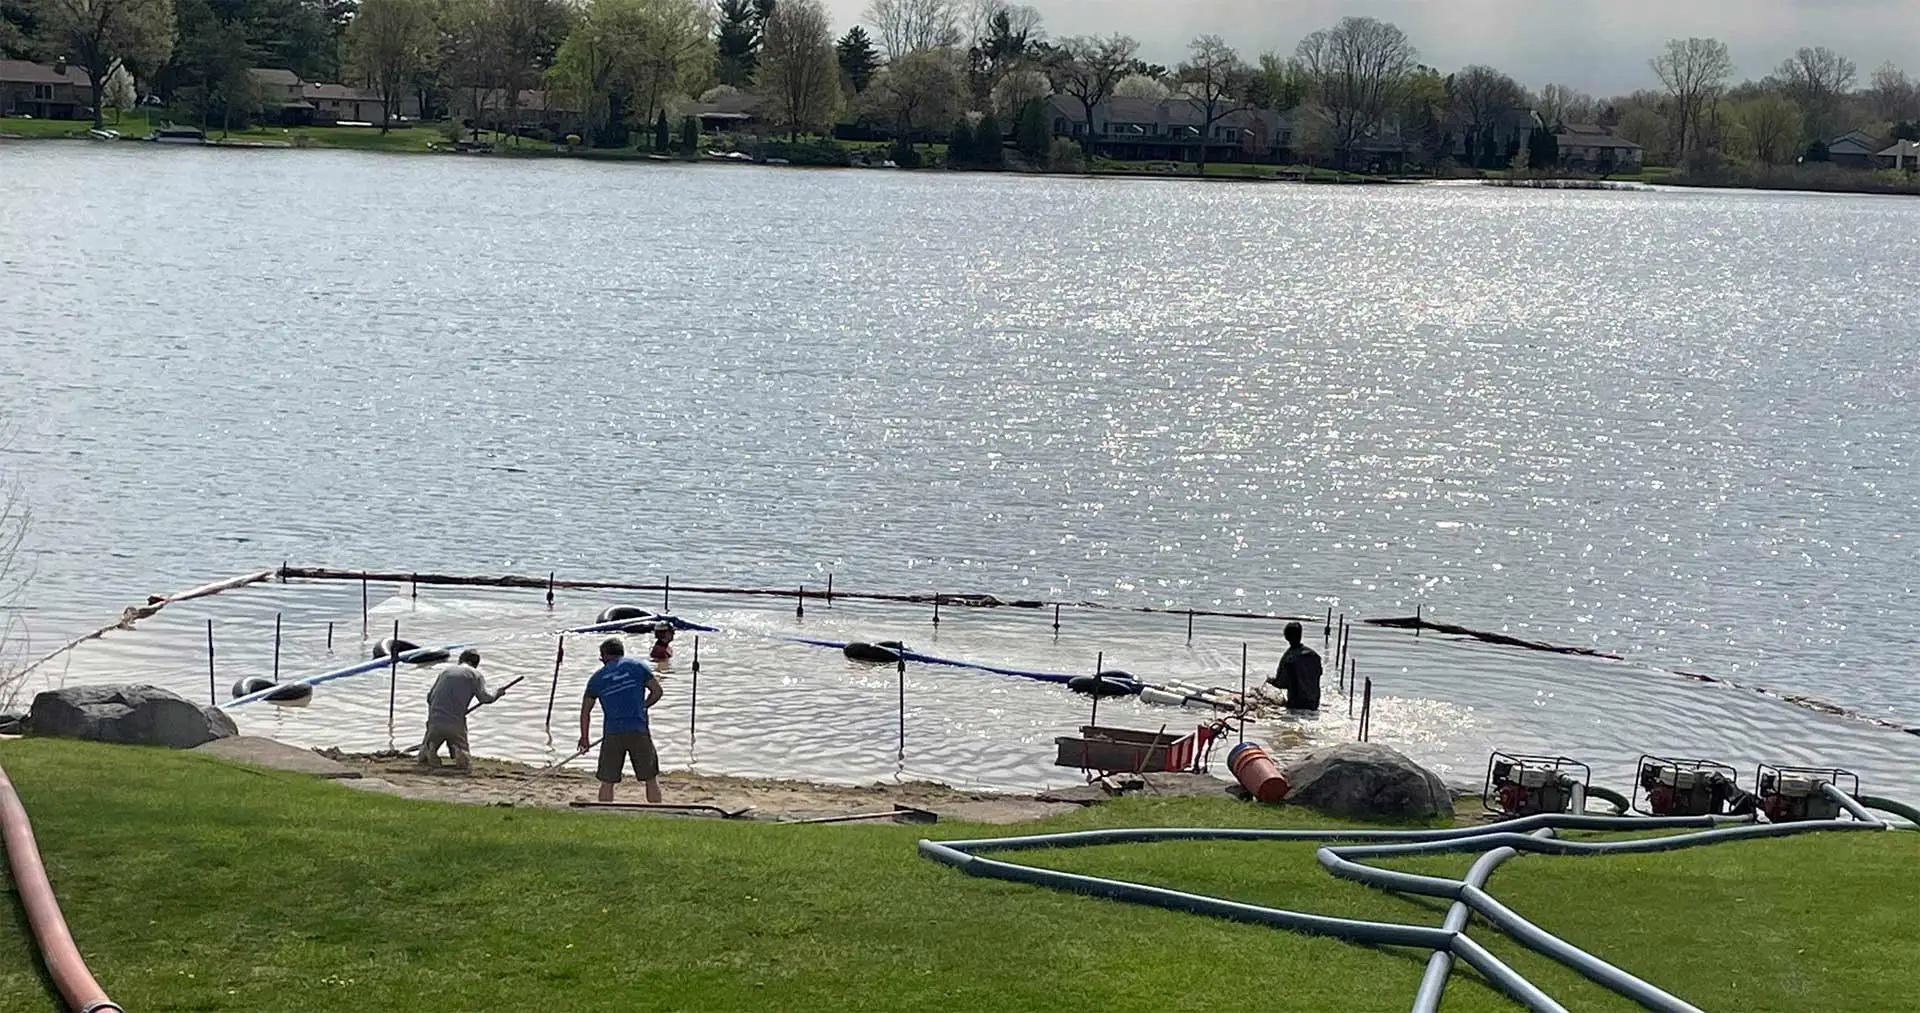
<point>213,697</point>
<point>559,655</point>
<point>800,603</point>
<point>693,701</point>
<point>900,667</point>
<point>393,674</point>
<point>550,576</point>
<point>363,608</point>
<point>1243,691</point>
<point>276,647</point>
<point>1099,664</point>
<point>49,927</point>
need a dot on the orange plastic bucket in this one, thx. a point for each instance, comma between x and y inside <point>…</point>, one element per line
<point>1256,773</point>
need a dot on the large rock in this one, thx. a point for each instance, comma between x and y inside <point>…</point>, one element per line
<point>139,715</point>
<point>1361,780</point>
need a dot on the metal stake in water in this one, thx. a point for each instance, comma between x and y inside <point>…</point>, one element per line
<point>393,673</point>
<point>693,702</point>
<point>1243,691</point>
<point>276,647</point>
<point>550,575</point>
<point>666,596</point>
<point>559,655</point>
<point>329,636</point>
<point>900,666</point>
<point>1056,620</point>
<point>1189,627</point>
<point>363,609</point>
<point>936,610</point>
<point>1419,619</point>
<point>829,588</point>
<point>213,697</point>
<point>1099,665</point>
<point>1326,632</point>
<point>800,603</point>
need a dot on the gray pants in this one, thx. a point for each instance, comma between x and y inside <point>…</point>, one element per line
<point>454,737</point>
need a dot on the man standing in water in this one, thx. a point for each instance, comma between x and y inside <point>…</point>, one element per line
<point>454,688</point>
<point>1298,673</point>
<point>625,687</point>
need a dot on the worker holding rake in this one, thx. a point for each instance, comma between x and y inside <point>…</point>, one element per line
<point>624,688</point>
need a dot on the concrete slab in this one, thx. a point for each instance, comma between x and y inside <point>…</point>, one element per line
<point>273,755</point>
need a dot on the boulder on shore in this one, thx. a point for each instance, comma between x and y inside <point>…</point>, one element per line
<point>136,715</point>
<point>1364,781</point>
<point>13,724</point>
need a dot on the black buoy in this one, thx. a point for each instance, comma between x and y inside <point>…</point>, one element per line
<point>620,613</point>
<point>1107,684</point>
<point>885,652</point>
<point>390,646</point>
<point>291,693</point>
<point>248,687</point>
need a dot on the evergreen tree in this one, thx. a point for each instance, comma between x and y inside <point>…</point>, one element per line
<point>689,135</point>
<point>737,43</point>
<point>1543,149</point>
<point>858,59</point>
<point>987,150</point>
<point>1031,136</point>
<point>662,133</point>
<point>960,154</point>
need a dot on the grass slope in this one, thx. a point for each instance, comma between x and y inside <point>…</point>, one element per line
<point>194,885</point>
<point>138,125</point>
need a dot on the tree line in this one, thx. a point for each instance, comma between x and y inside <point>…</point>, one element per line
<point>915,69</point>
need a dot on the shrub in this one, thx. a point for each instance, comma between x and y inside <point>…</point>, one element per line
<point>905,155</point>
<point>1066,156</point>
<point>810,152</point>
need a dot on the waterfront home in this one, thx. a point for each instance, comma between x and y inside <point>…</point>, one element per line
<point>1172,130</point>
<point>1493,144</point>
<point>284,97</point>
<point>533,112</point>
<point>1855,149</point>
<point>339,103</point>
<point>725,111</point>
<point>1901,155</point>
<point>45,91</point>
<point>1589,147</point>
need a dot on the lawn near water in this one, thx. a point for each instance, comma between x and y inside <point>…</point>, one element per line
<point>191,884</point>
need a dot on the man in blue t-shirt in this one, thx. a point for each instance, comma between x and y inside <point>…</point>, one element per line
<point>625,688</point>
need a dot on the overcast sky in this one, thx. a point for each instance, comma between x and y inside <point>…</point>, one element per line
<point>1600,46</point>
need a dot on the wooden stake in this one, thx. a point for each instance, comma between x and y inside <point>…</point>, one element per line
<point>213,696</point>
<point>559,655</point>
<point>276,645</point>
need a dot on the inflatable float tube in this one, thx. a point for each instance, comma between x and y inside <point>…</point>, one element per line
<point>293,692</point>
<point>1164,698</point>
<point>884,652</point>
<point>1105,684</point>
<point>411,653</point>
<point>620,613</point>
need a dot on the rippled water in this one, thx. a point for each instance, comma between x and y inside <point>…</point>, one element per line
<point>1675,425</point>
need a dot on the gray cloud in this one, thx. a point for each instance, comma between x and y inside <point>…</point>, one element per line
<point>1596,45</point>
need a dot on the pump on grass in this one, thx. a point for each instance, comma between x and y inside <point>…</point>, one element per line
<point>1792,794</point>
<point>1666,786</point>
<point>1522,785</point>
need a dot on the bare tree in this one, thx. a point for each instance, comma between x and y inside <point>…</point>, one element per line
<point>1279,83</point>
<point>389,41</point>
<point>1892,95</point>
<point>1015,90</point>
<point>104,35</point>
<point>1357,69</point>
<point>1141,86</point>
<point>1477,95</point>
<point>1819,79</point>
<point>1088,67</point>
<point>14,518</point>
<point>1215,79</point>
<point>1559,103</point>
<point>798,68</point>
<point>906,26</point>
<point>1693,71</point>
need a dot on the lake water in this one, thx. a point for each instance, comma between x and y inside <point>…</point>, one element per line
<point>1678,426</point>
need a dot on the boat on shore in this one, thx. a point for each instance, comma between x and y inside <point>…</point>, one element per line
<point>178,135</point>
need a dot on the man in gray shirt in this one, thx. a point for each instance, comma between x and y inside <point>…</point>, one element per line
<point>453,690</point>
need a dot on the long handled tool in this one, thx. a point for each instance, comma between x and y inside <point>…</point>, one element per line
<point>476,706</point>
<point>544,771</point>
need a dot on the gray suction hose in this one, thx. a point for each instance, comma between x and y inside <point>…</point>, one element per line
<point>1344,851</point>
<point>1887,805</point>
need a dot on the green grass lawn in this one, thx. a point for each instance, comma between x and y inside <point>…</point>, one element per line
<point>194,885</point>
<point>140,123</point>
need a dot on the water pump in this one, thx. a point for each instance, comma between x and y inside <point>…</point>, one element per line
<point>1522,785</point>
<point>1792,794</point>
<point>1670,787</point>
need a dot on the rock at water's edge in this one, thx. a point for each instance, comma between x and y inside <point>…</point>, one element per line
<point>13,724</point>
<point>1362,780</point>
<point>136,715</point>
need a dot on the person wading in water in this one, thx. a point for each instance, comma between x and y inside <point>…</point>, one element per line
<point>624,687</point>
<point>1298,673</point>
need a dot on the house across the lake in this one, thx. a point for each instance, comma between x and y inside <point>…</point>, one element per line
<point>1855,149</point>
<point>1172,130</point>
<point>45,91</point>
<point>1589,147</point>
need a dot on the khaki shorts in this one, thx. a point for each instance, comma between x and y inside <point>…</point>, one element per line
<point>617,747</point>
